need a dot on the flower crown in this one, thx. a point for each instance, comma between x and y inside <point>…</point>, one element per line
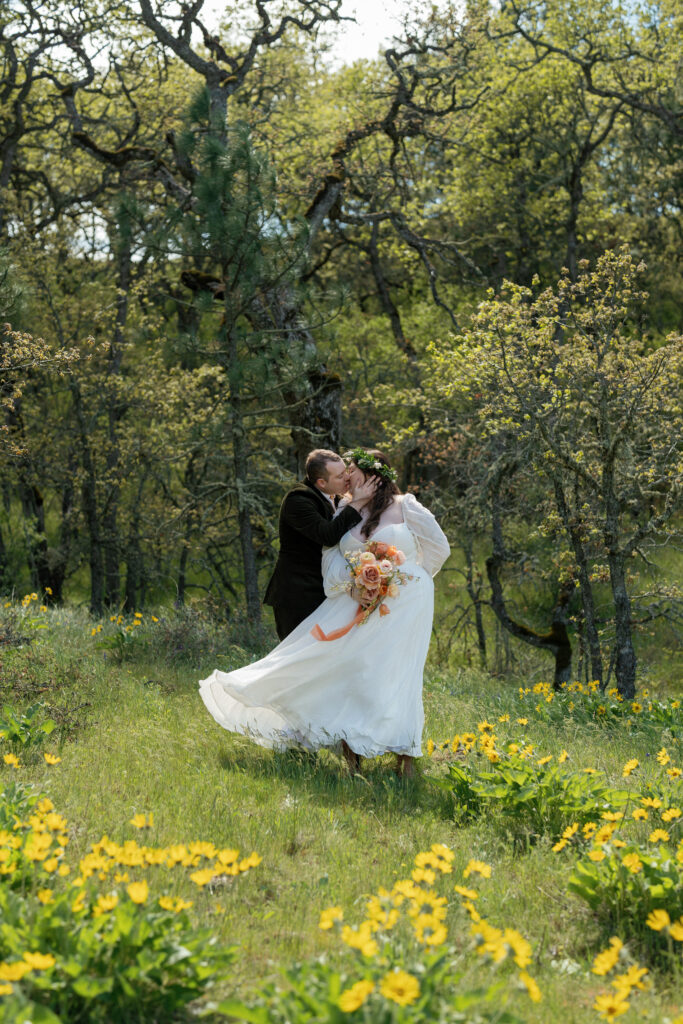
<point>364,460</point>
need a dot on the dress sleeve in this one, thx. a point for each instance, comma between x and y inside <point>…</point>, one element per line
<point>335,571</point>
<point>432,539</point>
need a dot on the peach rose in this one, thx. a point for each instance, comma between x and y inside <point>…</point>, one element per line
<point>381,549</point>
<point>399,558</point>
<point>383,610</point>
<point>392,590</point>
<point>370,576</point>
<point>391,551</point>
<point>385,567</point>
<point>366,557</point>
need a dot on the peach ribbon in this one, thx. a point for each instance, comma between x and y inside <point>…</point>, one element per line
<point>342,631</point>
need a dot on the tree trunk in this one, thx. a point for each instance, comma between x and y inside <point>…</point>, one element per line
<point>240,455</point>
<point>90,509</point>
<point>475,598</point>
<point>573,531</point>
<point>556,640</point>
<point>109,519</point>
<point>625,656</point>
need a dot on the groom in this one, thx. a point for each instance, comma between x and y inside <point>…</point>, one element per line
<point>306,526</point>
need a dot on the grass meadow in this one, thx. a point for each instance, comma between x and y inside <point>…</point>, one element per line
<point>135,739</point>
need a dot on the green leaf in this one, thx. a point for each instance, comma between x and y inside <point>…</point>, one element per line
<point>237,1010</point>
<point>89,987</point>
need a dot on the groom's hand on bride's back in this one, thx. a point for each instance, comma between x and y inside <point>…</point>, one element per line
<point>361,494</point>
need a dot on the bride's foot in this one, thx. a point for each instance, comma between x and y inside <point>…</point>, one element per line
<point>405,766</point>
<point>351,757</point>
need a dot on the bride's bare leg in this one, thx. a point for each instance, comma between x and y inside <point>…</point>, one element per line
<point>405,766</point>
<point>351,757</point>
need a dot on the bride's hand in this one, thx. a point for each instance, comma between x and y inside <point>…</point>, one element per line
<point>360,495</point>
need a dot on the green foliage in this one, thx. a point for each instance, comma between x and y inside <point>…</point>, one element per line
<point>91,955</point>
<point>128,963</point>
<point>402,967</point>
<point>586,704</point>
<point>16,800</point>
<point>626,886</point>
<point>311,993</point>
<point>534,799</point>
<point>23,729</point>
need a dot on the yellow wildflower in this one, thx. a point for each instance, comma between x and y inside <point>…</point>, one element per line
<point>142,820</point>
<point>479,866</point>
<point>45,896</point>
<point>14,971</point>
<point>673,773</point>
<point>632,978</point>
<point>430,747</point>
<point>203,877</point>
<point>353,998</point>
<point>105,904</point>
<point>360,938</point>
<point>633,862</point>
<point>444,852</point>
<point>138,891</point>
<point>560,845</point>
<point>658,920</point>
<point>522,721</point>
<point>531,986</point>
<point>663,757</point>
<point>671,814</point>
<point>605,961</point>
<point>596,855</point>
<point>676,930</point>
<point>252,861</point>
<point>519,945</point>
<point>563,757</point>
<point>603,834</point>
<point>400,988</point>
<point>659,835</point>
<point>610,1005</point>
<point>329,916</point>
<point>640,814</point>
<point>425,875</point>
<point>52,758</point>
<point>11,759</point>
<point>629,767</point>
<point>470,894</point>
<point>426,860</point>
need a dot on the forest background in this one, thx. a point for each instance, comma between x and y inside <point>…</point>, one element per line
<point>219,251</point>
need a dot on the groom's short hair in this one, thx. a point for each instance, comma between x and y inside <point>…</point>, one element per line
<point>316,463</point>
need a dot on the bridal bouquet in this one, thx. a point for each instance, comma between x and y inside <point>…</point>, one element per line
<point>375,574</point>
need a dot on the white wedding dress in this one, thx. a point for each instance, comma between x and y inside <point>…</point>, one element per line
<point>366,686</point>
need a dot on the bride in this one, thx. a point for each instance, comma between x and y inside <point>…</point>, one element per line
<point>363,689</point>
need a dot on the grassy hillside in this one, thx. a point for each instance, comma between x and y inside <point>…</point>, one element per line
<point>134,739</point>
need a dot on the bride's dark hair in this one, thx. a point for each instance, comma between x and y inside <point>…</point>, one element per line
<point>383,496</point>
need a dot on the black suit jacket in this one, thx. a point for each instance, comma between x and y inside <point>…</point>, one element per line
<point>306,526</point>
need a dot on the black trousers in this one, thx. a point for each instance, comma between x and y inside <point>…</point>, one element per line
<point>288,617</point>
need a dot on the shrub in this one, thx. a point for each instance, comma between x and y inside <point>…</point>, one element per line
<point>535,796</point>
<point>23,729</point>
<point>400,965</point>
<point>95,945</point>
